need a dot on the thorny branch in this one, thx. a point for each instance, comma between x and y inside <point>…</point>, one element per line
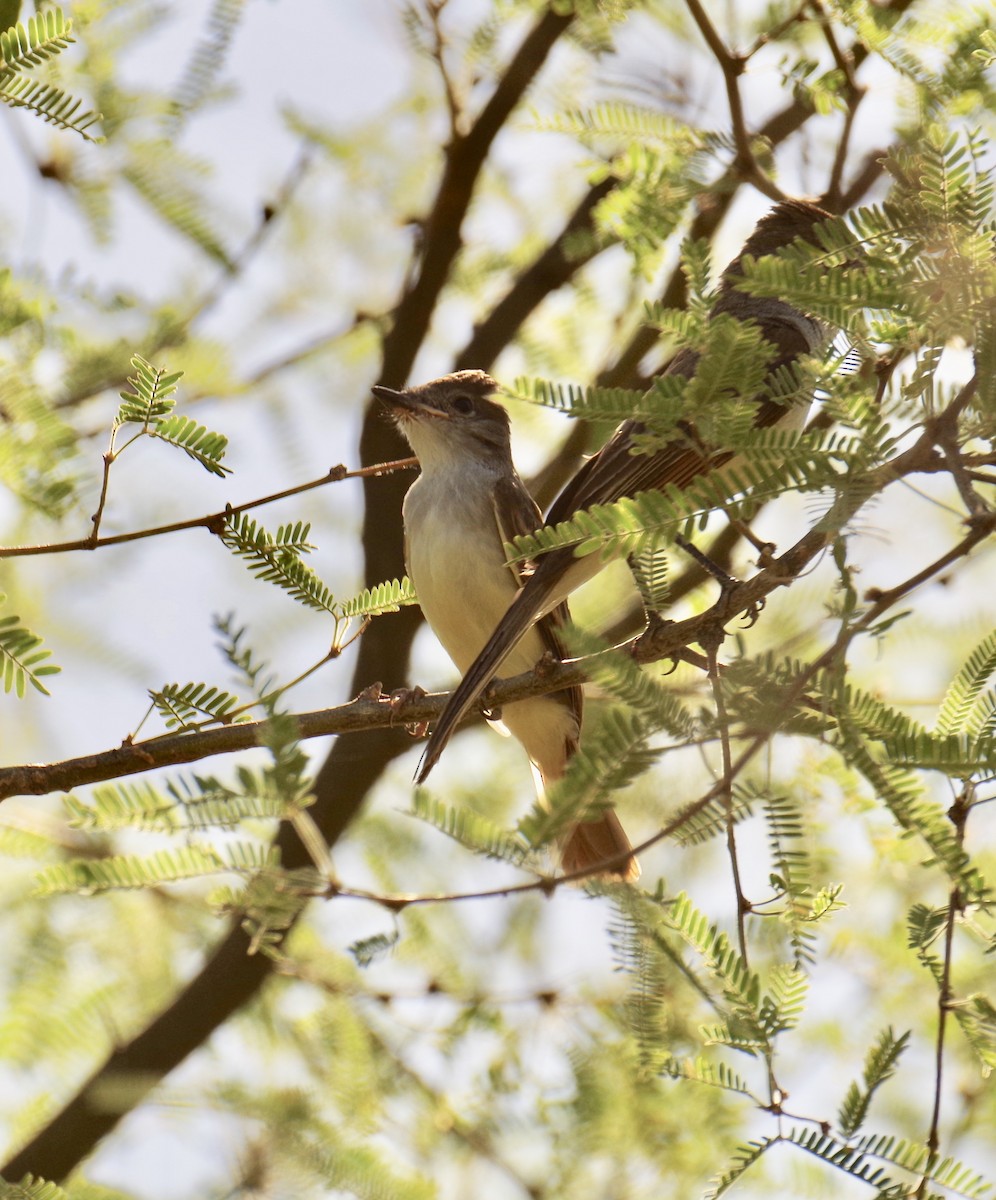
<point>371,710</point>
<point>211,521</point>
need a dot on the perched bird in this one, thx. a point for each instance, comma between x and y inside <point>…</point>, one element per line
<point>616,471</point>
<point>466,503</point>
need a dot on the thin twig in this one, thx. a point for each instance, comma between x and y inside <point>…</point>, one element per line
<point>844,61</point>
<point>434,11</point>
<point>833,192</point>
<point>745,165</point>
<point>726,780</point>
<point>855,93</point>
<point>775,31</point>
<point>212,521</point>
<point>108,459</point>
<point>947,443</point>
<point>959,818</point>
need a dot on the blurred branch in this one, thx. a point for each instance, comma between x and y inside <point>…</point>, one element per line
<point>555,267</point>
<point>434,13</point>
<point>745,165</point>
<point>177,330</point>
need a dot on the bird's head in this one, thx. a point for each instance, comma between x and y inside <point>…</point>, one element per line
<point>787,221</point>
<point>454,415</point>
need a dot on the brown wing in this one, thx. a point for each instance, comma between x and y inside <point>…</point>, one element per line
<point>615,472</point>
<point>516,513</point>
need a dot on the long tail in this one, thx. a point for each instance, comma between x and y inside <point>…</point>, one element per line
<point>593,842</point>
<point>522,612</point>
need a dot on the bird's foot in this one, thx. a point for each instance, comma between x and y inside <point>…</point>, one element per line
<point>728,583</point>
<point>645,648</point>
<point>402,698</point>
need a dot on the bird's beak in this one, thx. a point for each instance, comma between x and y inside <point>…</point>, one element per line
<point>407,403</point>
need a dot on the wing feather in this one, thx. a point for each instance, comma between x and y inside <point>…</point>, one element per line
<point>516,513</point>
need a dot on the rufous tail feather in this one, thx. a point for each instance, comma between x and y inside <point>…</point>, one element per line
<point>592,842</point>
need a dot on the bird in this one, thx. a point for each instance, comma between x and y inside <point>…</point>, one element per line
<point>466,503</point>
<point>616,471</point>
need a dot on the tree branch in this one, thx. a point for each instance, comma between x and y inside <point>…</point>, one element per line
<point>744,165</point>
<point>211,521</point>
<point>372,711</point>
<point>550,271</point>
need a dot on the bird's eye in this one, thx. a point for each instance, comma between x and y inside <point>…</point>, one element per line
<point>463,404</point>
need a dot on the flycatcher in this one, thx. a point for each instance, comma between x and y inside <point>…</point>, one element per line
<point>465,505</point>
<point>617,470</point>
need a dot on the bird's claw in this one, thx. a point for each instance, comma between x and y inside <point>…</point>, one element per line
<point>398,701</point>
<point>647,640</point>
<point>752,612</point>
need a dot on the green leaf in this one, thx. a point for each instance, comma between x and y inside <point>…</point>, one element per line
<point>903,795</point>
<point>744,1158</point>
<point>200,76</point>
<point>880,1065</point>
<point>53,105</point>
<point>616,672</point>
<point>384,598</point>
<point>597,403</point>
<point>200,444</point>
<point>650,573</point>
<point>700,1070</point>
<point>30,1188</point>
<point>123,805</point>
<point>851,1160</point>
<point>44,36</point>
<point>612,754</point>
<point>976,1017</point>
<point>368,950</point>
<point>792,870</point>
<point>20,657</point>
<point>953,754</point>
<point>958,712</point>
<point>913,1157</point>
<point>741,987</point>
<point>89,875</point>
<point>180,704</point>
<point>165,177</point>
<point>275,558</point>
<point>470,829</point>
<point>782,1006</point>
<point>152,396</point>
